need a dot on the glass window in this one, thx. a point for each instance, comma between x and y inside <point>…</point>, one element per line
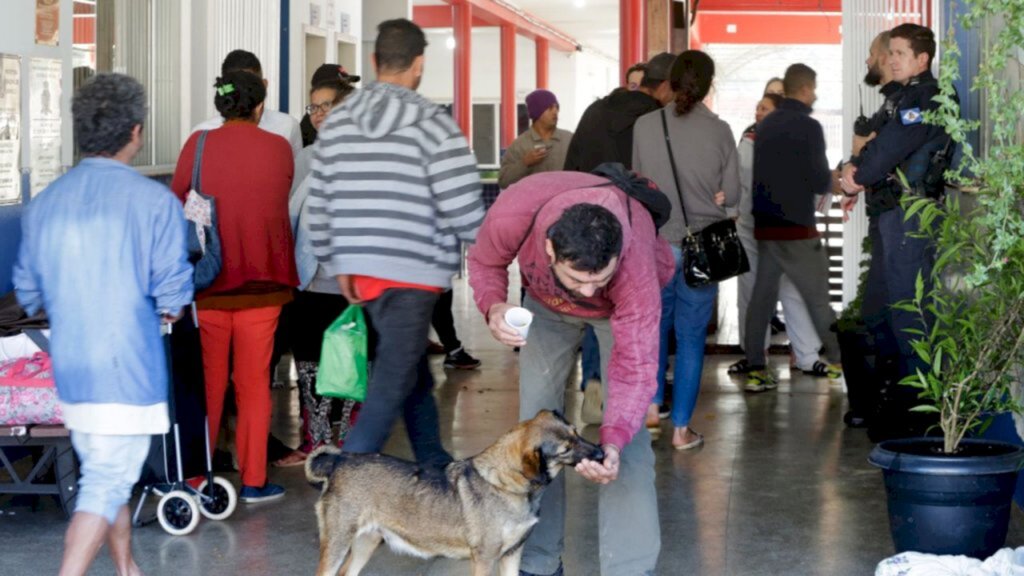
<point>140,38</point>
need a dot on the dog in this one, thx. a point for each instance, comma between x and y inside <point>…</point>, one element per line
<point>482,508</point>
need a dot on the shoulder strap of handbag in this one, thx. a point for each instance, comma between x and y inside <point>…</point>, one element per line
<point>197,163</point>
<point>38,338</point>
<point>675,172</point>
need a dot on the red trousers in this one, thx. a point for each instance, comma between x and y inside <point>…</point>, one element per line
<point>244,340</point>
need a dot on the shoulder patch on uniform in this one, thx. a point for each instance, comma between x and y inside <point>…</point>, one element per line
<point>911,116</point>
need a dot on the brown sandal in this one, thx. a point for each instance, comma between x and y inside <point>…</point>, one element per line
<point>296,458</point>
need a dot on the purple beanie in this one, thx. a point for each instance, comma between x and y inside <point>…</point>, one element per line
<point>538,101</point>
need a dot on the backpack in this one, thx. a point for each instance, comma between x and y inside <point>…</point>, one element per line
<point>639,188</point>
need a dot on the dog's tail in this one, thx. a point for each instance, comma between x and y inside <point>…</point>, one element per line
<point>321,464</point>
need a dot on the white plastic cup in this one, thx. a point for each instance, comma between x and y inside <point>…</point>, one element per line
<point>519,319</point>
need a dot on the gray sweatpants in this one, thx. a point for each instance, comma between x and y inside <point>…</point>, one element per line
<point>805,262</point>
<point>629,537</point>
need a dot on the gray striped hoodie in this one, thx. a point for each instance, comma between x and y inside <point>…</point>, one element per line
<point>393,189</point>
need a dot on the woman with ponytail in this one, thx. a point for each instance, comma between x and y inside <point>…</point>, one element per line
<point>705,179</point>
<point>248,172</point>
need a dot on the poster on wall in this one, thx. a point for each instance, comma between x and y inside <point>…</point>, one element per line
<point>314,14</point>
<point>44,122</point>
<point>10,129</point>
<point>47,22</point>
<point>329,16</point>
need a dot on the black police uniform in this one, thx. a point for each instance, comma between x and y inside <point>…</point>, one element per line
<point>891,93</point>
<point>864,395</point>
<point>906,143</point>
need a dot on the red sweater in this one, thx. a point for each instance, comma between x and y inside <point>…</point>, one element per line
<point>632,300</point>
<point>249,173</point>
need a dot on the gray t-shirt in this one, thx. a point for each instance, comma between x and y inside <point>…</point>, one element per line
<point>706,159</point>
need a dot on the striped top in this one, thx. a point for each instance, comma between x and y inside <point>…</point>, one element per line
<point>394,188</point>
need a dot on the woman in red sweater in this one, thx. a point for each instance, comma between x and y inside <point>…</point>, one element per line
<point>249,173</point>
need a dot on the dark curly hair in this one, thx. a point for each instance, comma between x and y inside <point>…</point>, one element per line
<point>587,236</point>
<point>239,93</point>
<point>105,111</point>
<point>692,73</point>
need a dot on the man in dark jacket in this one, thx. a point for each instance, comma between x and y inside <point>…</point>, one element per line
<point>605,132</point>
<point>790,169</point>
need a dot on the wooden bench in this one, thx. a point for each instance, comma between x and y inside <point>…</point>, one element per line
<point>57,455</point>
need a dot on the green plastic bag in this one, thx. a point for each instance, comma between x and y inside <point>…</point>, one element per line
<point>343,359</point>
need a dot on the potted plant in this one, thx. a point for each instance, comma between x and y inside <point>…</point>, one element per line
<point>856,347</point>
<point>952,495</point>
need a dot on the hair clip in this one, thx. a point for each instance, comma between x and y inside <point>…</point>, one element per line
<point>225,89</point>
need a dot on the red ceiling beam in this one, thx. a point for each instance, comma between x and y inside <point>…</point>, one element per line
<point>491,13</point>
<point>739,28</point>
<point>770,6</point>
<point>439,17</point>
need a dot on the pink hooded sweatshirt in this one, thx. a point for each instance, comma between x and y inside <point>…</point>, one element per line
<point>517,225</point>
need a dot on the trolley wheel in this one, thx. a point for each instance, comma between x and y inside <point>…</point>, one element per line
<point>223,501</point>
<point>178,513</point>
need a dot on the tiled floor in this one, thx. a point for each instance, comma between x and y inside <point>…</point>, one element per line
<point>780,488</point>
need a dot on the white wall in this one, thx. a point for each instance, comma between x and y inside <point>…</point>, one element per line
<point>577,79</point>
<point>298,76</point>
<point>375,12</point>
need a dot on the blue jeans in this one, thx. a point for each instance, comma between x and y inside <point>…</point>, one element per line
<point>591,358</point>
<point>689,311</point>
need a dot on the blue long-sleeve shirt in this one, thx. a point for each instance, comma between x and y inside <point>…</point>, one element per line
<point>103,251</point>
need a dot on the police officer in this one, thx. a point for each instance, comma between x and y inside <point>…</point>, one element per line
<point>863,396</point>
<point>906,143</point>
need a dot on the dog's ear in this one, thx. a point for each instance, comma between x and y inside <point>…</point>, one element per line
<point>535,466</point>
<point>558,414</point>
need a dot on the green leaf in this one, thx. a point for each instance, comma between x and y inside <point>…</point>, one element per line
<point>927,408</point>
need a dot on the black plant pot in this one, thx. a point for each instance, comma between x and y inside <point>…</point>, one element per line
<point>942,504</point>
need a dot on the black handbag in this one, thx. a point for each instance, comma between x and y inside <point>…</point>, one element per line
<point>713,254</point>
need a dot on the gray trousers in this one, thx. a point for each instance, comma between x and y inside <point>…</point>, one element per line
<point>805,262</point>
<point>629,537</point>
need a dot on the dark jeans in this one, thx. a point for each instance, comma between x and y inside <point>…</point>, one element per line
<point>400,380</point>
<point>896,260</point>
<point>591,357</point>
<point>444,322</point>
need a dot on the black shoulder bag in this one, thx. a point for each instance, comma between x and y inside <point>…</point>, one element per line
<point>713,254</point>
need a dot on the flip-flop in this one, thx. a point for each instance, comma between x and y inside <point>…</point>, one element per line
<point>692,444</point>
<point>296,458</point>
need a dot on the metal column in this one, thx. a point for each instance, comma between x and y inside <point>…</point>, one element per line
<point>463,101</point>
<point>632,35</point>
<point>508,84</point>
<point>543,56</point>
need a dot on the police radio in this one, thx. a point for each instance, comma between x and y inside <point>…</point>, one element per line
<point>862,125</point>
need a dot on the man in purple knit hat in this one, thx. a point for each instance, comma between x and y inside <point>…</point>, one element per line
<point>542,148</point>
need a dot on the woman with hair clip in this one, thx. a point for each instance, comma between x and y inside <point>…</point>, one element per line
<point>704,180</point>
<point>318,302</point>
<point>248,172</point>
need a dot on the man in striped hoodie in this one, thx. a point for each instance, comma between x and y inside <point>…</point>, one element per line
<point>394,189</point>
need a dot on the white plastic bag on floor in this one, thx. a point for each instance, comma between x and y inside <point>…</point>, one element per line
<point>1006,562</point>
